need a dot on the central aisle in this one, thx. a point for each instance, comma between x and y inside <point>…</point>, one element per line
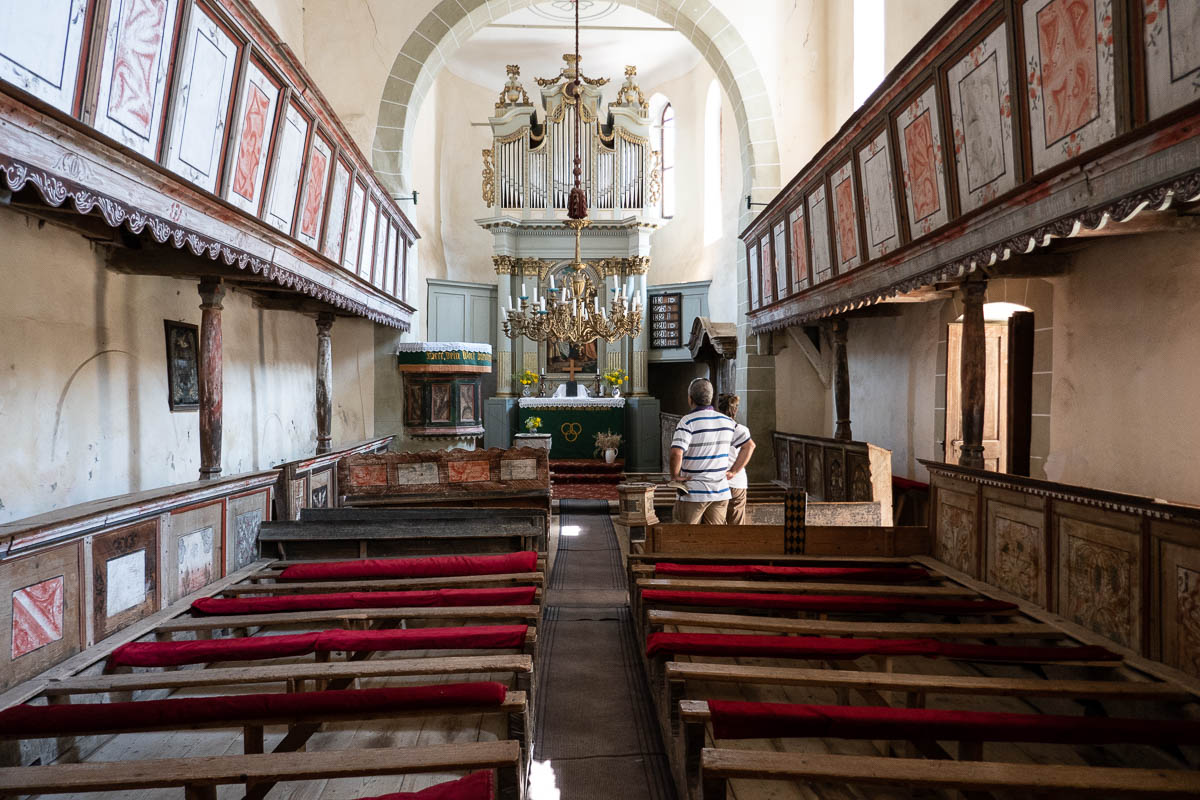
<point>594,719</point>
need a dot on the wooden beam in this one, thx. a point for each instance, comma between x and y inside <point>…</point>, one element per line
<point>324,382</point>
<point>841,381</point>
<point>212,292</point>
<point>973,373</point>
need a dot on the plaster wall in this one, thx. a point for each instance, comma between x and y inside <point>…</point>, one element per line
<point>83,400</point>
<point>287,18</point>
<point>1123,405</point>
<point>893,366</point>
<point>803,404</point>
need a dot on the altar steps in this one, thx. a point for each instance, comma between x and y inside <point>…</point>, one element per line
<point>585,479</point>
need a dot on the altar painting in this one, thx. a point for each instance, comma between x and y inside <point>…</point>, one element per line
<point>560,354</point>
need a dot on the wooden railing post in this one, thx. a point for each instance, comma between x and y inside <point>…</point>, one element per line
<point>841,381</point>
<point>973,373</point>
<point>212,292</point>
<point>324,382</point>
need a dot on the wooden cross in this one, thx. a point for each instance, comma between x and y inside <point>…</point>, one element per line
<point>571,370</point>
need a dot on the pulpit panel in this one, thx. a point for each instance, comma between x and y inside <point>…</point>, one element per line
<point>1099,572</point>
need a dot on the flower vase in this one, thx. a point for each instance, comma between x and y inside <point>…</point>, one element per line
<point>616,392</point>
<point>610,455</point>
<point>525,391</point>
<point>531,431</point>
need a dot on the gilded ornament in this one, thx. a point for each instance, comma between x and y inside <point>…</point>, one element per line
<point>489,178</point>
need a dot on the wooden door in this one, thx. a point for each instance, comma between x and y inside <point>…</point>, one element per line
<point>995,400</point>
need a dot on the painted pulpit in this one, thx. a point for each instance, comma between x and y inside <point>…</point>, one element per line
<point>442,391</point>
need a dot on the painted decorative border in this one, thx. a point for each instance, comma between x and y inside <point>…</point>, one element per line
<point>438,347</point>
<point>55,191</point>
<point>571,402</point>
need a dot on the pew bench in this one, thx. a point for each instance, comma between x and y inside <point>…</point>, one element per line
<point>800,587</point>
<point>200,777</point>
<point>353,617</point>
<point>719,766</point>
<point>392,584</point>
<point>658,620</point>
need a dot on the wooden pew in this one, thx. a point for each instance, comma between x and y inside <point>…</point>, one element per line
<point>349,618</point>
<point>384,585</point>
<point>461,532</point>
<point>199,777</point>
<point>718,766</point>
<point>525,528</point>
<point>659,620</point>
<point>775,540</point>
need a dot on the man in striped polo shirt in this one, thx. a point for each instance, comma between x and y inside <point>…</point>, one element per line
<point>700,458</point>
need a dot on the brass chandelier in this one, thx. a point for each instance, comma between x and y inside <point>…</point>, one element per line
<point>574,313</point>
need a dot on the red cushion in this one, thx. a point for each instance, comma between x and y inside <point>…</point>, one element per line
<point>881,574</point>
<point>428,567</point>
<point>749,644</point>
<point>253,648</point>
<point>476,786</point>
<point>826,603</point>
<point>908,483</point>
<point>459,638</point>
<point>59,720</point>
<point>506,596</point>
<point>202,651</point>
<point>739,720</point>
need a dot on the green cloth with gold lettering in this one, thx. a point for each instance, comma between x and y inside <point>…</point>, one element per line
<point>573,428</point>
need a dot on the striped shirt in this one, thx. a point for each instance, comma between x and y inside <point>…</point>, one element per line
<point>741,435</point>
<point>704,436</point>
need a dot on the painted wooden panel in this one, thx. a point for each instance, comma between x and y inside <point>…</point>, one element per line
<point>131,90</point>
<point>200,104</point>
<point>954,540</point>
<point>244,516</point>
<point>1071,68</point>
<point>298,490</point>
<point>319,486</point>
<point>312,199</point>
<point>354,222</point>
<point>1099,572</point>
<point>255,121</point>
<point>782,280</point>
<point>799,253</point>
<point>379,270</point>
<point>1016,547</point>
<point>40,47</point>
<point>755,277</point>
<point>767,270</point>
<point>366,263</point>
<point>845,217</point>
<point>1171,33</point>
<point>39,612</point>
<point>193,549</point>
<point>339,196</point>
<point>879,196</point>
<point>389,259</point>
<point>818,215</point>
<point>980,93</point>
<point>1179,606</point>
<point>124,577</point>
<point>285,175</point>
<point>922,164</point>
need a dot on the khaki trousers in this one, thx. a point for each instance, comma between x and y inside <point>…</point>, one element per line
<point>712,513</point>
<point>736,513</point>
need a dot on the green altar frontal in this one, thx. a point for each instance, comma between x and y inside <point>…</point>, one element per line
<point>573,424</point>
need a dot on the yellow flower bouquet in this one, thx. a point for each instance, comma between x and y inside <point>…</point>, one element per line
<point>615,378</point>
<point>526,378</point>
<point>532,424</point>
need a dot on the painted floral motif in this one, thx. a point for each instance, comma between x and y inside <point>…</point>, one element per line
<point>799,254</point>
<point>135,65</point>
<point>250,149</point>
<point>37,616</point>
<point>1018,558</point>
<point>843,206</point>
<point>1067,45</point>
<point>1172,40</point>
<point>1187,620</point>
<point>768,272</point>
<point>1100,588</point>
<point>468,471</point>
<point>922,174</point>
<point>315,193</point>
<point>955,530</point>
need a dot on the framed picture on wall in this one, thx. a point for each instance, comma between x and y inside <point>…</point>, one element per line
<point>183,365</point>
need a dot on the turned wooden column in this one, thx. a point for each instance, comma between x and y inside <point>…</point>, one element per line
<point>841,381</point>
<point>324,382</point>
<point>212,292</point>
<point>973,374</point>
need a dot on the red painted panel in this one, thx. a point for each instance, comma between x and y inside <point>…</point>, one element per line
<point>251,147</point>
<point>37,616</point>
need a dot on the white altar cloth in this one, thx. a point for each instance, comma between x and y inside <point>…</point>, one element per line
<point>571,402</point>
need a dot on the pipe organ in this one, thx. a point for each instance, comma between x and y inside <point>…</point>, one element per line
<point>530,165</point>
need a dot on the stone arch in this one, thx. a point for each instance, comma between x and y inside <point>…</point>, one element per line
<point>453,22</point>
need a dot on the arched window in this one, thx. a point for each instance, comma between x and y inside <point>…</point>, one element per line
<point>868,48</point>
<point>667,144</point>
<point>712,164</point>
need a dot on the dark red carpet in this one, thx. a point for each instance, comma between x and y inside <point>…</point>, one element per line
<point>585,479</point>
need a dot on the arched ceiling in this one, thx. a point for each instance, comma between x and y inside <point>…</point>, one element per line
<point>453,24</point>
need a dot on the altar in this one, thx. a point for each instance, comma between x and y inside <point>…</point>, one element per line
<point>573,422</point>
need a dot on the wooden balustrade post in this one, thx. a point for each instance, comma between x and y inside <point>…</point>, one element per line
<point>324,382</point>
<point>212,292</point>
<point>841,381</point>
<point>973,374</point>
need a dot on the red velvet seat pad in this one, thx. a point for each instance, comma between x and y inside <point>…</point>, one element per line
<point>62,720</point>
<point>203,651</point>
<point>253,648</point>
<point>476,786</point>
<point>741,720</point>
<point>425,567</point>
<point>850,603</point>
<point>504,596</point>
<point>732,645</point>
<point>457,638</point>
<point>879,574</point>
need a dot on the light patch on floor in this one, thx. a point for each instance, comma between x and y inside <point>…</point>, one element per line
<point>541,779</point>
<point>569,530</point>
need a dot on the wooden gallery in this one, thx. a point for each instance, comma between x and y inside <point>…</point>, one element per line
<point>590,399</point>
